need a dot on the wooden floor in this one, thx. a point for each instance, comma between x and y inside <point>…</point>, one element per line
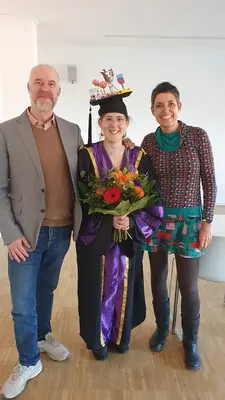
<point>137,375</point>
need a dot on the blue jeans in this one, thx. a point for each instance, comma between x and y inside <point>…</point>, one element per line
<point>32,284</point>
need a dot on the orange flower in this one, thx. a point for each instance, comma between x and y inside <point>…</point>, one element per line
<point>100,191</point>
<point>129,176</point>
<point>139,191</point>
<point>117,175</point>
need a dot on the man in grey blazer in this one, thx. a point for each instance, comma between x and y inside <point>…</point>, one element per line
<point>39,210</point>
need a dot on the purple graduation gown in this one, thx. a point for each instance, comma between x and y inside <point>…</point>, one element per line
<point>110,275</point>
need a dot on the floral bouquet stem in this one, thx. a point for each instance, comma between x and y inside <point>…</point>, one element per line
<point>119,235</point>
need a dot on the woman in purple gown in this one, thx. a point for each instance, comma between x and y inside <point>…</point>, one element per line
<point>110,276</point>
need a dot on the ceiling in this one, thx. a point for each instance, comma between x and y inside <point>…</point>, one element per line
<point>89,22</point>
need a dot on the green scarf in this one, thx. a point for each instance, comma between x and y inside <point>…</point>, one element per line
<point>167,141</point>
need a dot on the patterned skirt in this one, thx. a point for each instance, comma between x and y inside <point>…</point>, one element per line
<point>178,233</point>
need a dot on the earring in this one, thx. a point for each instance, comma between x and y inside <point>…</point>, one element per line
<point>125,135</point>
<point>101,135</point>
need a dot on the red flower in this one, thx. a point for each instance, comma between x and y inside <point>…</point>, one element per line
<point>112,195</point>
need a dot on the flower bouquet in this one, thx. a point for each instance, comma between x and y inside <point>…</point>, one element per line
<point>118,193</point>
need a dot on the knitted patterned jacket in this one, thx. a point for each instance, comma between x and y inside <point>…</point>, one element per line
<point>181,172</point>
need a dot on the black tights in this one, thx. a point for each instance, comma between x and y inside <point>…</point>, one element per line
<point>187,273</point>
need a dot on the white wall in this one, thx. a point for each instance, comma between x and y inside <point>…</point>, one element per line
<point>197,68</point>
<point>1,98</point>
<point>18,54</point>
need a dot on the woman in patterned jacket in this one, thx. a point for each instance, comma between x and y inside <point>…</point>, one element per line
<point>183,160</point>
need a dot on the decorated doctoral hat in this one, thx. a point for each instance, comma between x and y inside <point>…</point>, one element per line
<point>107,97</point>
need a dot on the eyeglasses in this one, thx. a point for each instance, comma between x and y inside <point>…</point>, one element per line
<point>118,120</point>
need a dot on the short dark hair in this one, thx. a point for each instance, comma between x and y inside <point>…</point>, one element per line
<point>164,87</point>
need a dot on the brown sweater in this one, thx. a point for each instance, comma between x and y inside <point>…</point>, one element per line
<point>59,193</point>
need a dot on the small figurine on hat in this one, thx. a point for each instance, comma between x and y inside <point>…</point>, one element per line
<point>107,88</point>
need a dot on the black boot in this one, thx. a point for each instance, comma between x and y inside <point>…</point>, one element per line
<point>190,342</point>
<point>192,358</point>
<point>122,348</point>
<point>101,354</point>
<point>157,341</point>
<point>119,348</point>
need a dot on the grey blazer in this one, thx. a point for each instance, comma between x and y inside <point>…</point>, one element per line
<point>22,185</point>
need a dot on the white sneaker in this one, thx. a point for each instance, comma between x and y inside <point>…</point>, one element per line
<point>53,348</point>
<point>16,383</point>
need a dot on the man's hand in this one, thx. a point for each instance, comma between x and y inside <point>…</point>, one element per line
<point>17,250</point>
<point>122,223</point>
<point>128,143</point>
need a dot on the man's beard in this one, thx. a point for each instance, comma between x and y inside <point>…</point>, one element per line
<point>44,106</point>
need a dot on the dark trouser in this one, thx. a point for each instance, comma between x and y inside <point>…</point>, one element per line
<point>187,273</point>
<point>32,284</point>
